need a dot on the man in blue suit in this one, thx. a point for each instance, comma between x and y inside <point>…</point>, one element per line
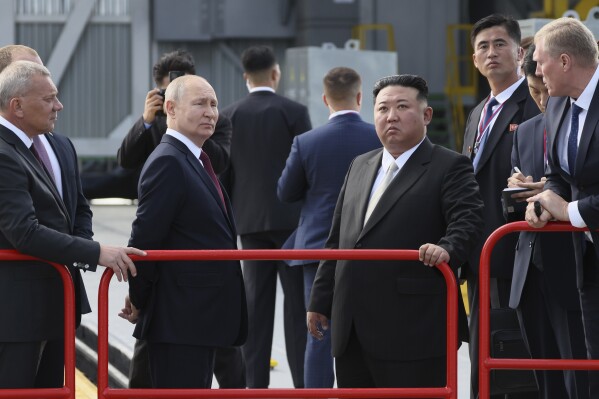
<point>186,309</point>
<point>314,174</point>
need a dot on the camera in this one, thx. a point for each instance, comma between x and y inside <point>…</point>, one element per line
<point>172,75</point>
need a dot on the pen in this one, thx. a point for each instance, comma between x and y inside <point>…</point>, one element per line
<point>517,170</point>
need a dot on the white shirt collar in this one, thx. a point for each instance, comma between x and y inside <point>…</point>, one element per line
<point>507,93</point>
<point>401,160</point>
<point>262,88</point>
<point>343,112</point>
<point>20,134</point>
<point>195,150</point>
<point>584,101</point>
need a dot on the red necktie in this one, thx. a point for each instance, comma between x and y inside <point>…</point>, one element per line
<point>208,167</point>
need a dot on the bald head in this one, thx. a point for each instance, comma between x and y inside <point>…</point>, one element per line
<point>191,108</point>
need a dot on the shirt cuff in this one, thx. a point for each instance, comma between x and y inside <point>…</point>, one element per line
<point>574,214</point>
<point>147,125</point>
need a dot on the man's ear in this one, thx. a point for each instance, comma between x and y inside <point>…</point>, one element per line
<point>359,99</point>
<point>566,62</point>
<point>324,99</point>
<point>16,107</point>
<point>169,108</point>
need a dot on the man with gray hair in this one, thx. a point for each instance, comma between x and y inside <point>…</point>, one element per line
<point>34,220</point>
<point>566,55</point>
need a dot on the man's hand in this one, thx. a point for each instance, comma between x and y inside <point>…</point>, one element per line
<point>432,255</point>
<point>553,207</point>
<point>154,103</point>
<point>519,180</point>
<point>118,260</point>
<point>317,323</point>
<point>129,312</point>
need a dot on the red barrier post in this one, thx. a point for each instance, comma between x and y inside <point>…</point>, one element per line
<point>486,362</point>
<point>449,391</point>
<point>68,390</point>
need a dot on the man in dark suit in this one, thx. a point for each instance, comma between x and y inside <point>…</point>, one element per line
<point>314,175</point>
<point>390,317</point>
<point>186,309</point>
<point>264,125</point>
<point>488,141</point>
<point>138,144</point>
<point>566,55</point>
<point>43,214</point>
<point>544,282</point>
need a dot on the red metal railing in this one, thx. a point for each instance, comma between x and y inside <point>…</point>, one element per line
<point>486,362</point>
<point>449,391</point>
<point>68,390</point>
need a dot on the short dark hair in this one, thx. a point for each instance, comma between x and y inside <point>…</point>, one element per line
<point>529,66</point>
<point>178,60</point>
<point>257,59</point>
<point>342,84</point>
<point>510,24</point>
<point>413,81</point>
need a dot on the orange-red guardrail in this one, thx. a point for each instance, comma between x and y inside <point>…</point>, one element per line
<point>486,362</point>
<point>68,390</point>
<point>449,391</point>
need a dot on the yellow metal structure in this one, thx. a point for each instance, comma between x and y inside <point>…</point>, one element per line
<point>359,32</point>
<point>461,78</point>
<point>557,8</point>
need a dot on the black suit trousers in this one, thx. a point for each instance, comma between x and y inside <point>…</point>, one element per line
<point>552,332</point>
<point>229,367</point>
<point>503,287</point>
<point>260,279</point>
<point>356,369</point>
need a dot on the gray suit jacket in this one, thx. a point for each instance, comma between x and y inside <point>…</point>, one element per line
<point>34,220</point>
<point>553,252</point>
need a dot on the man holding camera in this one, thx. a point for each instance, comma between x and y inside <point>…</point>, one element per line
<point>138,144</point>
<point>147,131</point>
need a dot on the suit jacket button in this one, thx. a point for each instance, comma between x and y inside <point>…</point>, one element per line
<point>86,266</point>
<point>74,264</point>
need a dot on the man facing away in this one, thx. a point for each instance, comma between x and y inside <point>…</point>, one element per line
<point>264,125</point>
<point>314,174</point>
<point>186,309</point>
<point>389,317</point>
<point>566,55</point>
<point>488,141</point>
<point>39,217</point>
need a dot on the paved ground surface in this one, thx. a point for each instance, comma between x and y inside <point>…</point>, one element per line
<point>112,225</point>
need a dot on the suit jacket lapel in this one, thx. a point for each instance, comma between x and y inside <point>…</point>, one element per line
<point>42,176</point>
<point>501,125</point>
<point>409,174</point>
<point>555,118</point>
<point>197,166</point>
<point>472,130</point>
<point>587,132</point>
<point>538,155</point>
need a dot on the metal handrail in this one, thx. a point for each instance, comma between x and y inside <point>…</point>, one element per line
<point>68,390</point>
<point>486,362</point>
<point>449,391</point>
